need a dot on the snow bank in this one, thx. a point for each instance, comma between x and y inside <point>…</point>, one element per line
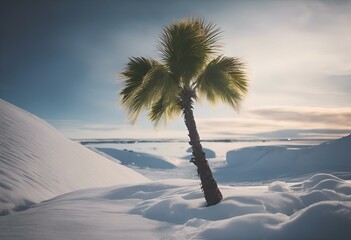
<point>307,214</point>
<point>209,153</point>
<point>245,213</point>
<point>174,209</point>
<point>38,163</point>
<point>279,162</point>
<point>137,159</point>
<point>334,155</point>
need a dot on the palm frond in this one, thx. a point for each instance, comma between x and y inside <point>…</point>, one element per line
<point>186,46</point>
<point>133,75</point>
<point>143,91</point>
<point>223,79</point>
<point>165,108</point>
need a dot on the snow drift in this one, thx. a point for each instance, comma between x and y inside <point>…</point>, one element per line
<point>317,208</point>
<point>137,159</point>
<point>264,163</point>
<point>38,163</point>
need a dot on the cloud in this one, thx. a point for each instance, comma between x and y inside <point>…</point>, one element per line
<point>337,117</point>
<point>339,83</point>
<point>266,122</point>
<point>280,122</point>
<point>82,130</point>
<point>291,50</point>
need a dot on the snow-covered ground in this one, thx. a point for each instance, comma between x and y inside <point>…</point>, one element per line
<point>265,163</point>
<point>318,208</point>
<point>53,188</point>
<point>236,162</point>
<point>38,163</point>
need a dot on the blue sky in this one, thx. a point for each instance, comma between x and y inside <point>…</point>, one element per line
<point>60,60</point>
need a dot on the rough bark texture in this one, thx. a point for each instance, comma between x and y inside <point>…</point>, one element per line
<point>208,184</point>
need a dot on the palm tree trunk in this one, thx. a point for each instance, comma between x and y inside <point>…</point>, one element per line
<point>208,183</point>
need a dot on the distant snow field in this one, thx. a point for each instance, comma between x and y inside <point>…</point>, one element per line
<point>54,188</point>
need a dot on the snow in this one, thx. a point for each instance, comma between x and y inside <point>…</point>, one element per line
<point>142,160</point>
<point>57,177</point>
<point>209,153</point>
<point>174,209</point>
<point>38,163</point>
<point>262,163</point>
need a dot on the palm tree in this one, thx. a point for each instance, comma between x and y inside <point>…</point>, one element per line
<point>188,69</point>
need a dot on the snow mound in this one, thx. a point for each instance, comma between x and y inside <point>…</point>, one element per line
<point>327,181</point>
<point>38,163</point>
<point>264,163</point>
<point>278,186</point>
<point>324,220</point>
<point>209,153</point>
<point>334,155</point>
<point>137,159</point>
<point>174,209</point>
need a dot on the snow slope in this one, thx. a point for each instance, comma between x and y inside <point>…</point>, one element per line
<point>137,159</point>
<point>317,208</point>
<point>334,155</point>
<point>38,163</point>
<point>264,163</point>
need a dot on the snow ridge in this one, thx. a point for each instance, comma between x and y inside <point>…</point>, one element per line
<point>262,163</point>
<point>37,162</point>
<point>317,208</point>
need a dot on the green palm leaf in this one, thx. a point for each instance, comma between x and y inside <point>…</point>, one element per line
<point>186,46</point>
<point>133,76</point>
<point>147,82</point>
<point>223,79</point>
<point>165,108</point>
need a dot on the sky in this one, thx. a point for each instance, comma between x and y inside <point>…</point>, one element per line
<point>60,60</point>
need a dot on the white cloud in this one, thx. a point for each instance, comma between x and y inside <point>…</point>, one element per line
<point>279,122</point>
<point>266,122</point>
<point>289,48</point>
<point>80,130</point>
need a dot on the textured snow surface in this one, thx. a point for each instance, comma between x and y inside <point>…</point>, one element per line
<point>38,163</point>
<point>139,159</point>
<point>317,208</point>
<point>264,163</point>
